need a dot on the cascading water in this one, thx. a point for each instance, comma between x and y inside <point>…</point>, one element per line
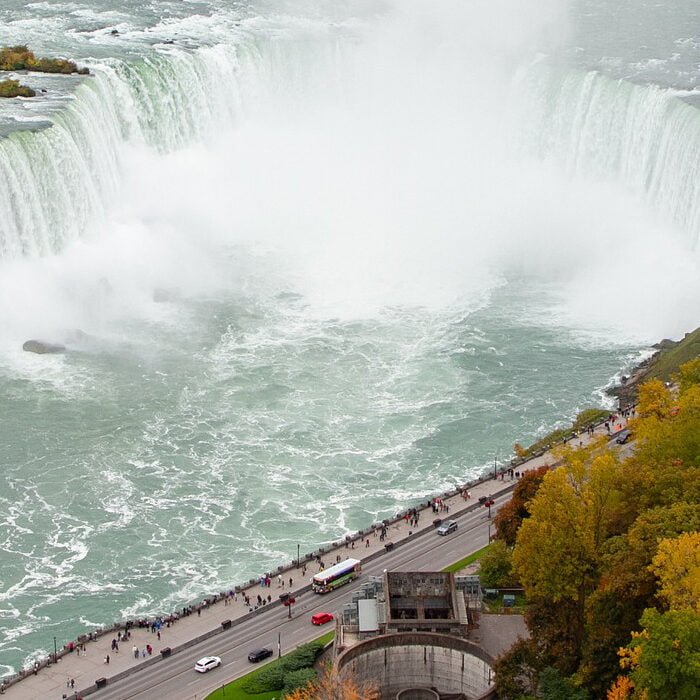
<point>599,127</point>
<point>57,180</point>
<point>325,258</point>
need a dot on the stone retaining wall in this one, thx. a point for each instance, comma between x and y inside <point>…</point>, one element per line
<point>414,659</point>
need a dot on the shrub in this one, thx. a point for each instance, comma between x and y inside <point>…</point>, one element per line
<point>266,680</point>
<point>303,657</point>
<point>274,676</point>
<point>298,679</point>
<point>21,58</point>
<point>12,88</point>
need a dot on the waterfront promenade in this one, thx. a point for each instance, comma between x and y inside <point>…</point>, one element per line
<point>85,668</point>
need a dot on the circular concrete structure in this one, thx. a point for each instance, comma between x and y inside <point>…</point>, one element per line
<point>419,661</point>
<point>417,694</point>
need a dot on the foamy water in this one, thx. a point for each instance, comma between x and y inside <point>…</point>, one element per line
<point>312,262</point>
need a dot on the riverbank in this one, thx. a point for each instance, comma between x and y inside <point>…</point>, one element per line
<point>84,660</point>
<point>669,355</point>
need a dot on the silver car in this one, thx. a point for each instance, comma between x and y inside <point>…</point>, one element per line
<point>447,527</point>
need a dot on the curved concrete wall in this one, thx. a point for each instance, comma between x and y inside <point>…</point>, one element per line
<point>419,659</point>
<point>417,694</point>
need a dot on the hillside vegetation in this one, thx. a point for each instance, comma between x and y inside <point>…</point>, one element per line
<point>607,548</point>
<point>662,365</point>
<point>21,58</point>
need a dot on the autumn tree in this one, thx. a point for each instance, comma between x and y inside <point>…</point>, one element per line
<point>668,429</point>
<point>677,566</point>
<point>511,515</point>
<point>655,399</point>
<point>688,375</point>
<point>626,587</point>
<point>621,689</point>
<point>335,686</point>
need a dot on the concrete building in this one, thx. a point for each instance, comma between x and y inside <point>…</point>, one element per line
<point>408,633</point>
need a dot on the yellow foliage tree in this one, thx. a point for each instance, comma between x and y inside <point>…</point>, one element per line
<point>621,689</point>
<point>654,399</point>
<point>332,686</point>
<point>689,375</point>
<point>677,566</point>
<point>558,547</point>
<point>519,450</point>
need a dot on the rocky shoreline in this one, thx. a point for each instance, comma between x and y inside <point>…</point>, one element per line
<point>669,355</point>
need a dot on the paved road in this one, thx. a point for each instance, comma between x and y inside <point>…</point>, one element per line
<point>425,551</point>
<point>175,679</point>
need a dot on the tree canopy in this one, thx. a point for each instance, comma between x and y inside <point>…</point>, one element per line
<point>607,548</point>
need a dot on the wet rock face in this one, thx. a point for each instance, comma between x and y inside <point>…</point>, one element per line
<point>42,347</point>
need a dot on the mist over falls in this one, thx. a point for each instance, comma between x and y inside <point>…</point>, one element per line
<point>310,261</point>
<point>418,158</point>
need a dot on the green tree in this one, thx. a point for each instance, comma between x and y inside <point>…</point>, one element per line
<point>556,630</point>
<point>496,566</point>
<point>665,656</point>
<point>517,671</point>
<point>610,615</point>
<point>553,686</point>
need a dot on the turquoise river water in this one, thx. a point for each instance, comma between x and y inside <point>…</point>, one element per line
<point>313,261</point>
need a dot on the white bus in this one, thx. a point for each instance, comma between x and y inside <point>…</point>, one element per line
<point>336,575</point>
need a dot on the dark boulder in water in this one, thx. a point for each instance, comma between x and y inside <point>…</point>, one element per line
<point>41,347</point>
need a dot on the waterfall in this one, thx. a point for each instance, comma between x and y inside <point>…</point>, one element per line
<point>56,183</point>
<point>603,128</point>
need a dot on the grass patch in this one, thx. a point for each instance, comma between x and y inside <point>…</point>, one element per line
<point>452,568</point>
<point>591,416</point>
<point>495,605</point>
<point>235,689</point>
<point>669,361</point>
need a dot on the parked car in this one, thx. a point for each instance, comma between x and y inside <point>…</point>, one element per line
<point>207,663</point>
<point>623,436</point>
<point>447,527</point>
<point>321,618</point>
<point>259,654</point>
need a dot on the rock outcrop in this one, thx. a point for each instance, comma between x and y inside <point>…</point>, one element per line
<point>41,347</point>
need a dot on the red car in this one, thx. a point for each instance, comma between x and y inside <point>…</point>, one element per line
<point>321,618</point>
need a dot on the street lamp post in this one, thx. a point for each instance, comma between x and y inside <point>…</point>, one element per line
<point>55,651</point>
<point>495,468</point>
<point>297,556</point>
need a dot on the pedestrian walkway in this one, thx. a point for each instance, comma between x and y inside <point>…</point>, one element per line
<point>84,666</point>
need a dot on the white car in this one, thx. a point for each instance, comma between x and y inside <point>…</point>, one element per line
<point>207,663</point>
